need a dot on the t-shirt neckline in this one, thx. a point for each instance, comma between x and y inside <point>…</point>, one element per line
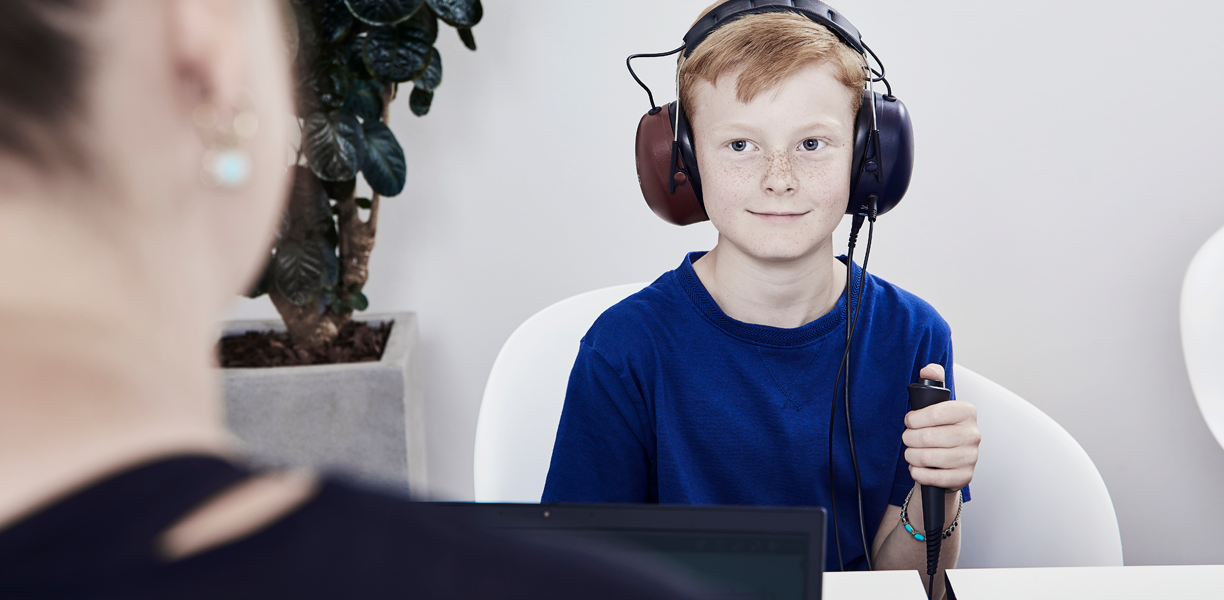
<point>761,334</point>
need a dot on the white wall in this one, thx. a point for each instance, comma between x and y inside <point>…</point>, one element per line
<point>1066,174</point>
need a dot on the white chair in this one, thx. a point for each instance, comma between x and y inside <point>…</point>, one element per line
<point>524,395</point>
<point>1202,331</point>
<point>1038,499</point>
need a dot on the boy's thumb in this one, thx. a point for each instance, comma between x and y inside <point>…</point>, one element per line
<point>932,371</point>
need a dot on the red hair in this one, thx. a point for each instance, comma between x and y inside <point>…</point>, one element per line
<point>769,47</point>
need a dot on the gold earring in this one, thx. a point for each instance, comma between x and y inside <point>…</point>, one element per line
<point>226,163</point>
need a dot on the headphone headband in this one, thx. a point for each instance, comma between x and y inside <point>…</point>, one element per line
<point>813,9</point>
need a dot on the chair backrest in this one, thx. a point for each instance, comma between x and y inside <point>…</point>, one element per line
<point>1038,500</point>
<point>1202,331</point>
<point>522,401</point>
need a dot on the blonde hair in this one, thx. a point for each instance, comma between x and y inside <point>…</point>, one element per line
<point>770,47</point>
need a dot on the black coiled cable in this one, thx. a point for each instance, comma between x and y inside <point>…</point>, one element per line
<point>933,541</point>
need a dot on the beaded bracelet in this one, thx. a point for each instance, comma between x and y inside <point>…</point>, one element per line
<point>918,536</point>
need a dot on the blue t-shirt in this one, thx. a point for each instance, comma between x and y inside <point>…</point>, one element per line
<point>672,401</point>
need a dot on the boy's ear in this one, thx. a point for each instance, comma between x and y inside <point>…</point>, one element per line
<point>205,49</point>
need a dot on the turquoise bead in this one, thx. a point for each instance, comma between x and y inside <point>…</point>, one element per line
<point>917,536</point>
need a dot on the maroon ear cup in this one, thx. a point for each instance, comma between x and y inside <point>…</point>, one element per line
<point>654,168</point>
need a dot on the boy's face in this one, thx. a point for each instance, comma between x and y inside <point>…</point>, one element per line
<point>775,172</point>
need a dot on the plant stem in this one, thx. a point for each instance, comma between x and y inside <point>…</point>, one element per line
<point>308,325</point>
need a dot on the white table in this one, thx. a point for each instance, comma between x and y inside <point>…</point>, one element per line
<point>1183,582</point>
<point>873,585</point>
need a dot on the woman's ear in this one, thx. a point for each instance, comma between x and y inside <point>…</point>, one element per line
<point>206,48</point>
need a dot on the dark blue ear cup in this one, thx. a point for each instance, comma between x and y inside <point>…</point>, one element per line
<point>880,173</point>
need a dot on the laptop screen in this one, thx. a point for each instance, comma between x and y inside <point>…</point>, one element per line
<point>734,552</point>
<point>731,565</point>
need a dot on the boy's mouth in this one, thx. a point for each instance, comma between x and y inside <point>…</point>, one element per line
<point>778,216</point>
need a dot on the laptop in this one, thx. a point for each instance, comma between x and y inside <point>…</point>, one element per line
<point>766,553</point>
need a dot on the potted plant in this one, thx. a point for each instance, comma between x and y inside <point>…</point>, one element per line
<point>350,58</point>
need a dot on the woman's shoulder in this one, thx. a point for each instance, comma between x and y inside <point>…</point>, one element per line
<point>355,542</point>
<point>344,541</point>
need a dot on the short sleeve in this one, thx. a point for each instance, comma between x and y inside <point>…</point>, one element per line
<point>601,451</point>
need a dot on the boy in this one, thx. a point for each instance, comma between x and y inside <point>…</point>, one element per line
<point>714,384</point>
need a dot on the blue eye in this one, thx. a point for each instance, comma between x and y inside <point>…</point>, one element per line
<point>811,144</point>
<point>739,145</point>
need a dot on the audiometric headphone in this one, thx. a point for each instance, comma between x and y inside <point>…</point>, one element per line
<point>883,135</point>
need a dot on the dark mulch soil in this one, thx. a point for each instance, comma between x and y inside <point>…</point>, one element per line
<point>357,342</point>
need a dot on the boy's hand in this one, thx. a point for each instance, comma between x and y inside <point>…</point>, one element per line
<point>942,440</point>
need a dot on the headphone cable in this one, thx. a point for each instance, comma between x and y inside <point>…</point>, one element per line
<point>852,314</point>
<point>852,325</point>
<point>856,224</point>
<point>649,94</point>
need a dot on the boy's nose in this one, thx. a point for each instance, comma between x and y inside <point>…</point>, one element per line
<point>780,174</point>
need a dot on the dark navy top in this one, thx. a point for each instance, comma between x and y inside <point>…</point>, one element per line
<point>672,401</point>
<point>346,542</point>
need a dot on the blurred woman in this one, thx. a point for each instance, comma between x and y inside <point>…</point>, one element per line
<point>143,150</point>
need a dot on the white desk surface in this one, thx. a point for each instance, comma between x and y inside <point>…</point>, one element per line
<point>873,585</point>
<point>1183,582</point>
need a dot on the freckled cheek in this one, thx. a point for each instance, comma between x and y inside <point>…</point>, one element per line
<point>829,184</point>
<point>726,187</point>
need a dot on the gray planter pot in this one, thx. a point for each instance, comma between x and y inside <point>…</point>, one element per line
<point>362,420</point>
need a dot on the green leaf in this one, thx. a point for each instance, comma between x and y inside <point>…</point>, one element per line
<point>420,101</point>
<point>359,301</point>
<point>332,82</point>
<point>355,58</point>
<point>338,305</point>
<point>458,13</point>
<point>335,145</point>
<point>300,269</point>
<point>365,100</point>
<point>364,203</point>
<point>333,21</point>
<point>432,78</point>
<point>469,40</point>
<point>385,168</point>
<point>426,21</point>
<point>383,12</point>
<point>397,53</point>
